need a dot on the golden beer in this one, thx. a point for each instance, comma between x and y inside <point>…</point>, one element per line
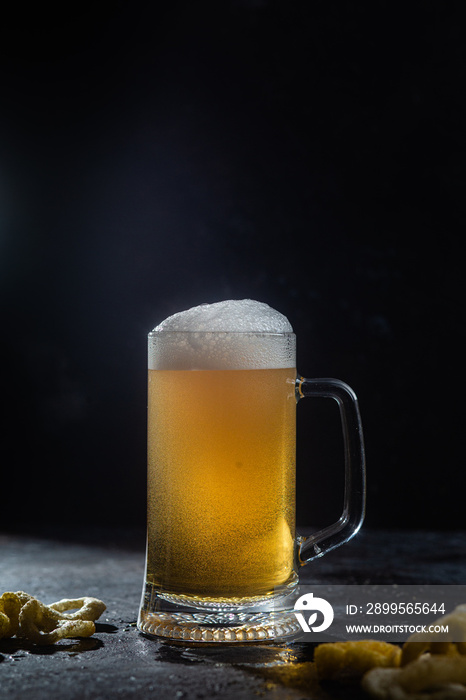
<point>221,481</point>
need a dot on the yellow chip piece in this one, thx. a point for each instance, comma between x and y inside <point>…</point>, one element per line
<point>427,678</point>
<point>40,624</point>
<point>336,659</point>
<point>431,671</point>
<point>440,642</point>
<point>28,618</point>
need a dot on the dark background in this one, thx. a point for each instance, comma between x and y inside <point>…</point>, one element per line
<point>306,154</point>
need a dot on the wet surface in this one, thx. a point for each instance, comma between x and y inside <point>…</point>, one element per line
<point>119,662</point>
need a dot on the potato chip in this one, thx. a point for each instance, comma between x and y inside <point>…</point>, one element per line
<point>40,624</point>
<point>427,678</point>
<point>354,657</point>
<point>430,671</point>
<point>440,642</point>
<point>29,618</point>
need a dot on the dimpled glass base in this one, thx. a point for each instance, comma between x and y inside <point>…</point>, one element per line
<point>259,620</point>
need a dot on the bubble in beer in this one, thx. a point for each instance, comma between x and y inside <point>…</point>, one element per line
<point>233,334</point>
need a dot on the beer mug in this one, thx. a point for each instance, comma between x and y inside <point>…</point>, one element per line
<point>223,555</point>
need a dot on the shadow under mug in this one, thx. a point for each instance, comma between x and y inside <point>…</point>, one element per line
<point>223,555</point>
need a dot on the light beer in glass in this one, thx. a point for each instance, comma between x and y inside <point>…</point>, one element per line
<point>221,481</point>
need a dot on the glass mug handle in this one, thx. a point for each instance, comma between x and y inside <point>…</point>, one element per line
<point>332,536</point>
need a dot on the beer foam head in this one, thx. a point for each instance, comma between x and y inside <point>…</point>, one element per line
<point>234,334</point>
<point>234,316</point>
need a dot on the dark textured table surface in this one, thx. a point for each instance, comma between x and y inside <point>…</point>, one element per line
<point>119,662</point>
